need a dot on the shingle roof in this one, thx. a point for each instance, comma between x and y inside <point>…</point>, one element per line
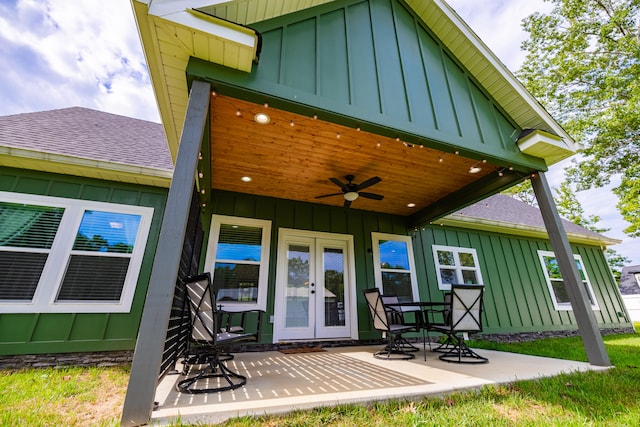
<point>90,134</point>
<point>628,282</point>
<point>506,209</point>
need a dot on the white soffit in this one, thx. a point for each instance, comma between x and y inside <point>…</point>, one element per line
<point>172,32</point>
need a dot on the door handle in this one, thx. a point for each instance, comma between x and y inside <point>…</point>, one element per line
<point>312,285</point>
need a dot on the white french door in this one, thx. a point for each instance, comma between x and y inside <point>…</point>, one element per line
<point>314,285</point>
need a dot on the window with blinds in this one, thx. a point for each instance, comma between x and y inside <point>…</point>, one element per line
<point>238,260</point>
<point>26,236</point>
<point>67,255</point>
<point>394,266</point>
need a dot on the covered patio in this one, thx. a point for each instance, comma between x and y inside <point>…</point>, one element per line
<point>279,383</point>
<point>266,111</point>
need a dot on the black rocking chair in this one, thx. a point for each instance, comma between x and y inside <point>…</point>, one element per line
<point>209,343</point>
<point>384,319</point>
<point>465,313</point>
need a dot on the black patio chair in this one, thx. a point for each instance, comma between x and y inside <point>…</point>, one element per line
<point>399,317</point>
<point>466,317</point>
<point>438,318</point>
<point>384,319</point>
<point>209,343</point>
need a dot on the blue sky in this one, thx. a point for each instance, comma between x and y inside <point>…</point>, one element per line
<point>61,53</point>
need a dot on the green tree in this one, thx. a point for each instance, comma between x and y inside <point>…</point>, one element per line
<point>583,64</point>
<point>569,207</point>
<point>523,192</point>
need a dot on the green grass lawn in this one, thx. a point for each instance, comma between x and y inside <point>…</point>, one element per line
<point>81,396</point>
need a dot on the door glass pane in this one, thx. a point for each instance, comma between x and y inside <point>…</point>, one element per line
<point>297,304</point>
<point>397,284</point>
<point>394,255</point>
<point>333,262</point>
<point>236,282</point>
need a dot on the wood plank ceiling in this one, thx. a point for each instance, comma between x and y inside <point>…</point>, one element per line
<point>293,157</point>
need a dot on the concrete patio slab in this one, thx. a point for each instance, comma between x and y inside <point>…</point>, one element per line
<point>278,383</point>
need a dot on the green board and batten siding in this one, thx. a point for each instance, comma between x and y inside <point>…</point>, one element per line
<point>36,333</point>
<point>517,298</point>
<point>372,64</point>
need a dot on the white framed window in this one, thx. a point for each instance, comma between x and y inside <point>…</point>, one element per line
<point>63,255</point>
<point>394,266</point>
<point>455,265</point>
<point>238,260</point>
<point>555,282</point>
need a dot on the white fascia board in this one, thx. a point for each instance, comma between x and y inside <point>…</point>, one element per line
<point>80,162</point>
<point>206,24</point>
<point>502,69</point>
<point>167,7</point>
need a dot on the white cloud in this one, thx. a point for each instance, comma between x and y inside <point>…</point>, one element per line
<point>59,54</point>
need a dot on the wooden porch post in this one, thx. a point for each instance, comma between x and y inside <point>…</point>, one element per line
<point>587,324</point>
<point>147,357</point>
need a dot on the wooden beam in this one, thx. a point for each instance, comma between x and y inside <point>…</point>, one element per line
<point>147,357</point>
<point>468,195</point>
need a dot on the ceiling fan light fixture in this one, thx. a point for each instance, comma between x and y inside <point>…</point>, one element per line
<point>350,196</point>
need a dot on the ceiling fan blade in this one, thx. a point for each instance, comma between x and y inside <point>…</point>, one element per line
<point>370,195</point>
<point>337,182</point>
<point>329,195</point>
<point>347,203</point>
<point>369,182</point>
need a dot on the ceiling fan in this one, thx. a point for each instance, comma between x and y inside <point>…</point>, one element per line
<point>351,191</point>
